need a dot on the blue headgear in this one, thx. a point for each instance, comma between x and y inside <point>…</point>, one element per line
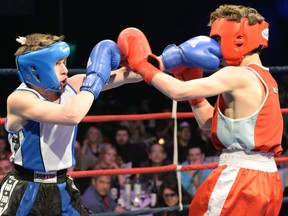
<point>37,67</point>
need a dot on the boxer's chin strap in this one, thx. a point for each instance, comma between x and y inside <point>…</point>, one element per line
<point>175,154</point>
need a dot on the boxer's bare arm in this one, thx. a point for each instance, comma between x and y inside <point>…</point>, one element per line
<point>118,77</point>
<point>24,105</point>
<point>234,82</point>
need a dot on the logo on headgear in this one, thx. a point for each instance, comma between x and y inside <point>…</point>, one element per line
<point>65,49</point>
<point>265,33</point>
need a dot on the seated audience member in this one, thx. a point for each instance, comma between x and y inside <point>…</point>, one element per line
<point>184,135</point>
<point>128,151</point>
<point>81,164</point>
<point>4,153</point>
<point>202,138</point>
<point>136,127</point>
<point>168,196</point>
<point>107,160</point>
<point>97,197</point>
<point>5,166</point>
<point>91,146</point>
<point>157,157</point>
<point>191,180</point>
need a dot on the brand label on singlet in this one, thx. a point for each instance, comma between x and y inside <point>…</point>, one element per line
<point>45,177</point>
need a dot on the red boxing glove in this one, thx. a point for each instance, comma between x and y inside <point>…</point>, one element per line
<point>185,74</point>
<point>136,53</point>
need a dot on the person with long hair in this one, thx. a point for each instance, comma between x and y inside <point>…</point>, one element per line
<point>108,160</point>
<point>168,196</point>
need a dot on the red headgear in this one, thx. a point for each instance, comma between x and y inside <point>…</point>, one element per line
<point>239,38</point>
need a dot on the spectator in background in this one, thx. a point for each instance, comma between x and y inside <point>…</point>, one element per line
<point>157,157</point>
<point>97,198</point>
<point>4,153</point>
<point>81,160</point>
<point>5,166</point>
<point>191,180</point>
<point>107,160</point>
<point>202,138</point>
<point>81,164</point>
<point>91,146</point>
<point>136,127</point>
<point>129,152</point>
<point>168,196</point>
<point>184,135</point>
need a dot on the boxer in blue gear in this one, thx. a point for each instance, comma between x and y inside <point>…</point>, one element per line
<point>43,114</point>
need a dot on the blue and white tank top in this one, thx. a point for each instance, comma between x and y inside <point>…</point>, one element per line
<point>43,146</point>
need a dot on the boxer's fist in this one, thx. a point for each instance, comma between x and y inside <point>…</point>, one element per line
<point>104,57</point>
<point>136,52</point>
<point>200,51</point>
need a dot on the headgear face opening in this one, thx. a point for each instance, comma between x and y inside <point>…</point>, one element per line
<point>37,67</point>
<point>239,38</point>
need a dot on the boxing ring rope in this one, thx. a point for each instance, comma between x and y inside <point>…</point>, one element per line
<point>132,117</point>
<point>124,171</point>
<point>166,168</point>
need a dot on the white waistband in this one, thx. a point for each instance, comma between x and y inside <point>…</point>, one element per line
<point>248,160</point>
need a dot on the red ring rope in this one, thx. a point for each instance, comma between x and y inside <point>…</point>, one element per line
<point>167,168</point>
<point>132,117</point>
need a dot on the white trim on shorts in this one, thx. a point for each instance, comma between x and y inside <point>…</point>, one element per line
<point>248,160</point>
<point>235,160</point>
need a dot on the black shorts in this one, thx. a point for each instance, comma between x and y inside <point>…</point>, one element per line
<point>24,197</point>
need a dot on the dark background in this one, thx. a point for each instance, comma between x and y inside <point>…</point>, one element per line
<point>86,22</point>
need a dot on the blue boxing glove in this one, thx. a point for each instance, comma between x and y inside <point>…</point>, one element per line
<point>200,51</point>
<point>104,57</point>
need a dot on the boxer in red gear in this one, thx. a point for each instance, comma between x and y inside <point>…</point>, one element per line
<point>246,122</point>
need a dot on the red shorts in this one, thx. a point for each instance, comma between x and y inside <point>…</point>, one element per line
<point>242,184</point>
